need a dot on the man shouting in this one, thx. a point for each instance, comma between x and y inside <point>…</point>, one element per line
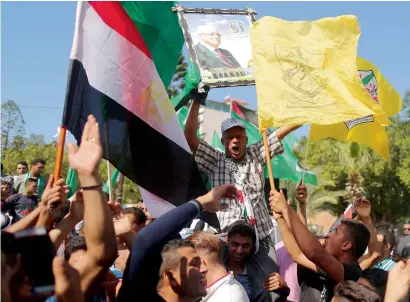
<point>242,166</point>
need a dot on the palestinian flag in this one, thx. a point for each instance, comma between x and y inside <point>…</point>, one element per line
<point>284,166</point>
<point>123,57</point>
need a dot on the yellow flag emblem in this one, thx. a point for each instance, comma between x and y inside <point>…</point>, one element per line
<point>306,72</point>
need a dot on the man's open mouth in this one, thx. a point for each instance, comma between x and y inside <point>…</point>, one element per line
<point>235,149</point>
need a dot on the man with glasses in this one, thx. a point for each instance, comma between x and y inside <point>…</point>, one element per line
<point>208,52</point>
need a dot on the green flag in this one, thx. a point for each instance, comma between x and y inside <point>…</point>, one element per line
<point>216,142</point>
<point>286,165</point>
<point>114,178</point>
<point>192,79</point>
<point>71,181</point>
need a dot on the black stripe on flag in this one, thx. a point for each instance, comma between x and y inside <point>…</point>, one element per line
<point>140,152</point>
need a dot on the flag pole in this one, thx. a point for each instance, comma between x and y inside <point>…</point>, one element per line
<point>268,162</point>
<point>304,161</point>
<point>110,191</point>
<point>60,153</point>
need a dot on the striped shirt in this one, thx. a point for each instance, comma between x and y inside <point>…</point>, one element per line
<point>386,265</point>
<point>248,176</point>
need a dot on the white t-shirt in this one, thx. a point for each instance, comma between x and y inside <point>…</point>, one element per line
<point>226,289</point>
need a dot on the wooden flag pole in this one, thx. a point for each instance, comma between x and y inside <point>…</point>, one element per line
<point>270,172</point>
<point>110,191</point>
<point>60,153</point>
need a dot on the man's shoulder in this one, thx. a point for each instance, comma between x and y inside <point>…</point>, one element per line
<point>230,290</point>
<point>352,271</point>
<point>14,197</point>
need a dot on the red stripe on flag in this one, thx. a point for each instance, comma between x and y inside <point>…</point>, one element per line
<point>238,111</point>
<point>115,17</point>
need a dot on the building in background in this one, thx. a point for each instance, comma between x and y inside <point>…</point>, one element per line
<point>212,115</point>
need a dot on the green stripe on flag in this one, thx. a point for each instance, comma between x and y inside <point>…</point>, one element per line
<point>114,177</point>
<point>160,29</point>
<point>71,181</point>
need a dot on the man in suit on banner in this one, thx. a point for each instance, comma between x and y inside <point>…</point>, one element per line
<point>208,52</point>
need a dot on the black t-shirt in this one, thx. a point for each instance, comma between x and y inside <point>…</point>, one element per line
<point>319,287</point>
<point>20,205</point>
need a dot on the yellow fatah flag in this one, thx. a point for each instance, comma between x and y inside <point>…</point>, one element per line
<point>366,130</point>
<point>306,72</point>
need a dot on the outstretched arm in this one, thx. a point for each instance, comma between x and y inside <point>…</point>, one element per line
<point>283,131</point>
<point>307,242</point>
<point>191,125</point>
<point>98,225</point>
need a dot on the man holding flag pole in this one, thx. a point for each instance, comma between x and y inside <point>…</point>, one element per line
<point>243,167</point>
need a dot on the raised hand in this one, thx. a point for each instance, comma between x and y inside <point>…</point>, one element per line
<point>301,193</point>
<point>278,201</point>
<point>398,283</point>
<point>122,224</point>
<point>54,197</point>
<point>363,208</point>
<point>86,159</point>
<point>210,201</point>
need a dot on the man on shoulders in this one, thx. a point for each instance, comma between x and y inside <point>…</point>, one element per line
<point>242,166</point>
<point>221,284</point>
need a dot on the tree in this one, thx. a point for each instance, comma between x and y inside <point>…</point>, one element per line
<point>36,139</point>
<point>12,123</point>
<point>385,183</point>
<point>178,83</point>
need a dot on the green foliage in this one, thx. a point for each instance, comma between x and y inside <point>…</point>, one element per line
<point>385,184</point>
<point>178,83</point>
<point>12,124</point>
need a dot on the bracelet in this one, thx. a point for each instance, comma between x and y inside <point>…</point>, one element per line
<point>87,188</point>
<point>199,205</point>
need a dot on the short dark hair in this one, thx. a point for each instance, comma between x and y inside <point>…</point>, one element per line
<point>23,163</point>
<point>388,237</point>
<point>242,228</point>
<point>30,180</point>
<point>170,256</point>
<point>76,243</point>
<point>384,225</point>
<point>352,291</point>
<point>140,217</point>
<point>378,279</point>
<point>358,234</point>
<point>407,222</point>
<point>38,161</point>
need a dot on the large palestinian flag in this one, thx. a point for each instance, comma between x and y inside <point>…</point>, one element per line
<point>123,57</point>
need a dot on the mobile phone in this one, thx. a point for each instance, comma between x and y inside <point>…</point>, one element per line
<point>37,254</point>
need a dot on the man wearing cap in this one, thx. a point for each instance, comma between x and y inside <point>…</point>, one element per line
<point>208,52</point>
<point>243,167</point>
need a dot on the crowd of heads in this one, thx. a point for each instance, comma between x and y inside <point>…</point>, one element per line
<point>95,241</point>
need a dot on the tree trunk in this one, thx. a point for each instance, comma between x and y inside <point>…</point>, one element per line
<point>118,189</point>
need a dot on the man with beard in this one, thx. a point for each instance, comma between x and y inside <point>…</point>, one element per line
<point>242,166</point>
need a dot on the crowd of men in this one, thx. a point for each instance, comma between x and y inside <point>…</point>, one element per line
<point>107,252</point>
